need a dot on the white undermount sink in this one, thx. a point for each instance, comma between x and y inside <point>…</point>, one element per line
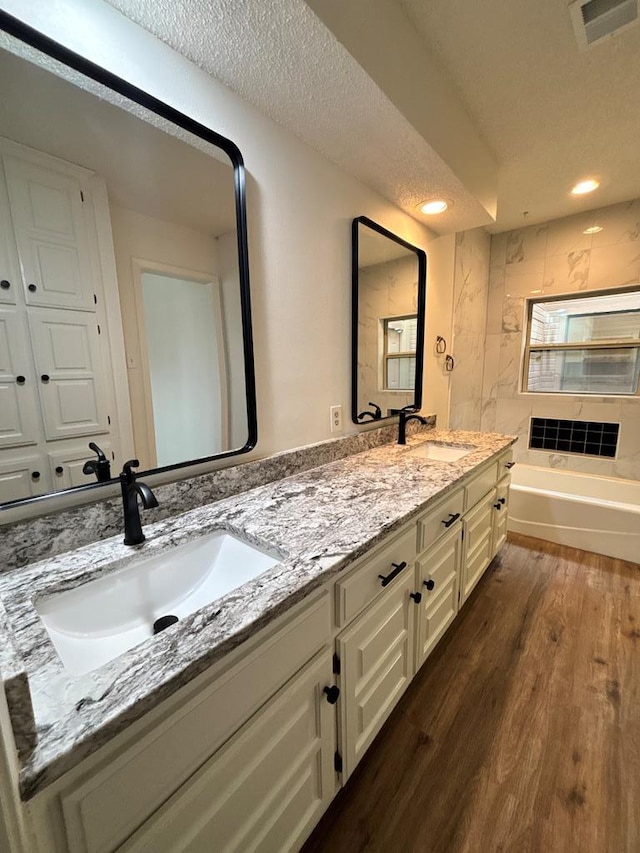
<point>441,452</point>
<point>102,619</point>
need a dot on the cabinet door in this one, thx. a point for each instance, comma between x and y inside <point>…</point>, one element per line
<point>71,380</point>
<point>23,476</point>
<point>500,515</point>
<point>265,790</point>
<point>478,543</point>
<point>376,655</point>
<point>19,419</point>
<point>9,268</point>
<point>51,235</point>
<point>439,574</point>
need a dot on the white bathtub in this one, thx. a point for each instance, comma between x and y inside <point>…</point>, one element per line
<point>599,514</point>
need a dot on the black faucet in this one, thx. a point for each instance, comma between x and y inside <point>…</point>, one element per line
<point>375,415</point>
<point>407,414</point>
<point>131,488</point>
<point>101,466</point>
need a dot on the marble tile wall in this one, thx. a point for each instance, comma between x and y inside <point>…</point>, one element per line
<point>554,258</point>
<point>469,319</point>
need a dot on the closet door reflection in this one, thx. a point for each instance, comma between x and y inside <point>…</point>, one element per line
<point>186,367</point>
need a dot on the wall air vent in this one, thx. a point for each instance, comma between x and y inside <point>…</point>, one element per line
<point>596,20</point>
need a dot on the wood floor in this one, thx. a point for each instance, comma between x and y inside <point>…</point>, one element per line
<point>521,733</point>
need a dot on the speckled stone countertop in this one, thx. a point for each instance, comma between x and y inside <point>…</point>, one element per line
<point>319,521</point>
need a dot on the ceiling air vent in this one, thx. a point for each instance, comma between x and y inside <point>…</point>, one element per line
<point>595,20</point>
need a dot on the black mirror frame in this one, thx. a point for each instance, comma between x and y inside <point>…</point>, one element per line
<point>17,29</point>
<point>422,303</point>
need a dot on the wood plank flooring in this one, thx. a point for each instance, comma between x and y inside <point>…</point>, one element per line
<point>522,730</point>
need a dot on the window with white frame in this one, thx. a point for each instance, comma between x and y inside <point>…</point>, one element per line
<point>583,344</point>
<point>399,353</point>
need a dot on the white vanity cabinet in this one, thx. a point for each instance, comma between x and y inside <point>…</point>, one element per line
<point>438,572</point>
<point>485,521</point>
<point>477,530</point>
<point>248,755</point>
<point>254,735</point>
<point>376,667</point>
<point>266,788</point>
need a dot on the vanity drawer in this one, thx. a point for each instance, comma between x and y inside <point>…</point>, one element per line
<point>505,463</point>
<point>105,808</point>
<point>436,522</point>
<point>363,583</point>
<point>479,485</point>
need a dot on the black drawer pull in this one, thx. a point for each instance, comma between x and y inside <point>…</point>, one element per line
<point>45,377</point>
<point>417,597</point>
<point>35,475</point>
<point>59,470</point>
<point>498,506</point>
<point>509,464</point>
<point>430,584</point>
<point>32,288</point>
<point>20,380</point>
<point>397,568</point>
<point>4,284</point>
<point>453,516</point>
<point>332,694</point>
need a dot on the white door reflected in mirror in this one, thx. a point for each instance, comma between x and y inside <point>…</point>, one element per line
<point>186,366</point>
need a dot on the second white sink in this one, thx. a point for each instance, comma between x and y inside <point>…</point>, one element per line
<point>441,452</point>
<point>104,618</point>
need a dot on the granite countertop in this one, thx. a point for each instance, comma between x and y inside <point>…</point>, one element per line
<point>318,521</point>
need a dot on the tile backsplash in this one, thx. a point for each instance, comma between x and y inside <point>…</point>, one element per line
<point>590,438</point>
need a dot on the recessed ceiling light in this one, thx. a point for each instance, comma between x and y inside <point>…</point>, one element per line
<point>585,187</point>
<point>433,207</point>
<point>593,229</point>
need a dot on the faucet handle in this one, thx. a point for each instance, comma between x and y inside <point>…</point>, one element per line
<point>127,473</point>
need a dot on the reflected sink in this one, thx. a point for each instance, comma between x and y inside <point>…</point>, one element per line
<point>102,619</point>
<point>441,452</point>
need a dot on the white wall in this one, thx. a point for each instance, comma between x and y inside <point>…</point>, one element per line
<point>300,208</point>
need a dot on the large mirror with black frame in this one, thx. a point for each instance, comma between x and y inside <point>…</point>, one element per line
<point>389,295</point>
<point>125,325</point>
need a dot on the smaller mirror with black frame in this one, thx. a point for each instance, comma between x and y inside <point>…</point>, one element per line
<point>388,297</point>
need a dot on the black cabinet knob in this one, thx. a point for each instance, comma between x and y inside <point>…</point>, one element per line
<point>20,380</point>
<point>4,284</point>
<point>59,470</point>
<point>498,506</point>
<point>509,465</point>
<point>32,288</point>
<point>502,501</point>
<point>417,597</point>
<point>35,475</point>
<point>45,377</point>
<point>332,694</point>
<point>430,584</point>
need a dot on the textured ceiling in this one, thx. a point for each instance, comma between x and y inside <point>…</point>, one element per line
<point>279,56</point>
<point>552,114</point>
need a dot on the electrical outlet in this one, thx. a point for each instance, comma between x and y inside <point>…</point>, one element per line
<point>335,414</point>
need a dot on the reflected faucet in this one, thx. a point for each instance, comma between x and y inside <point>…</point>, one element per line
<point>407,414</point>
<point>131,489</point>
<point>101,466</point>
<point>375,415</point>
